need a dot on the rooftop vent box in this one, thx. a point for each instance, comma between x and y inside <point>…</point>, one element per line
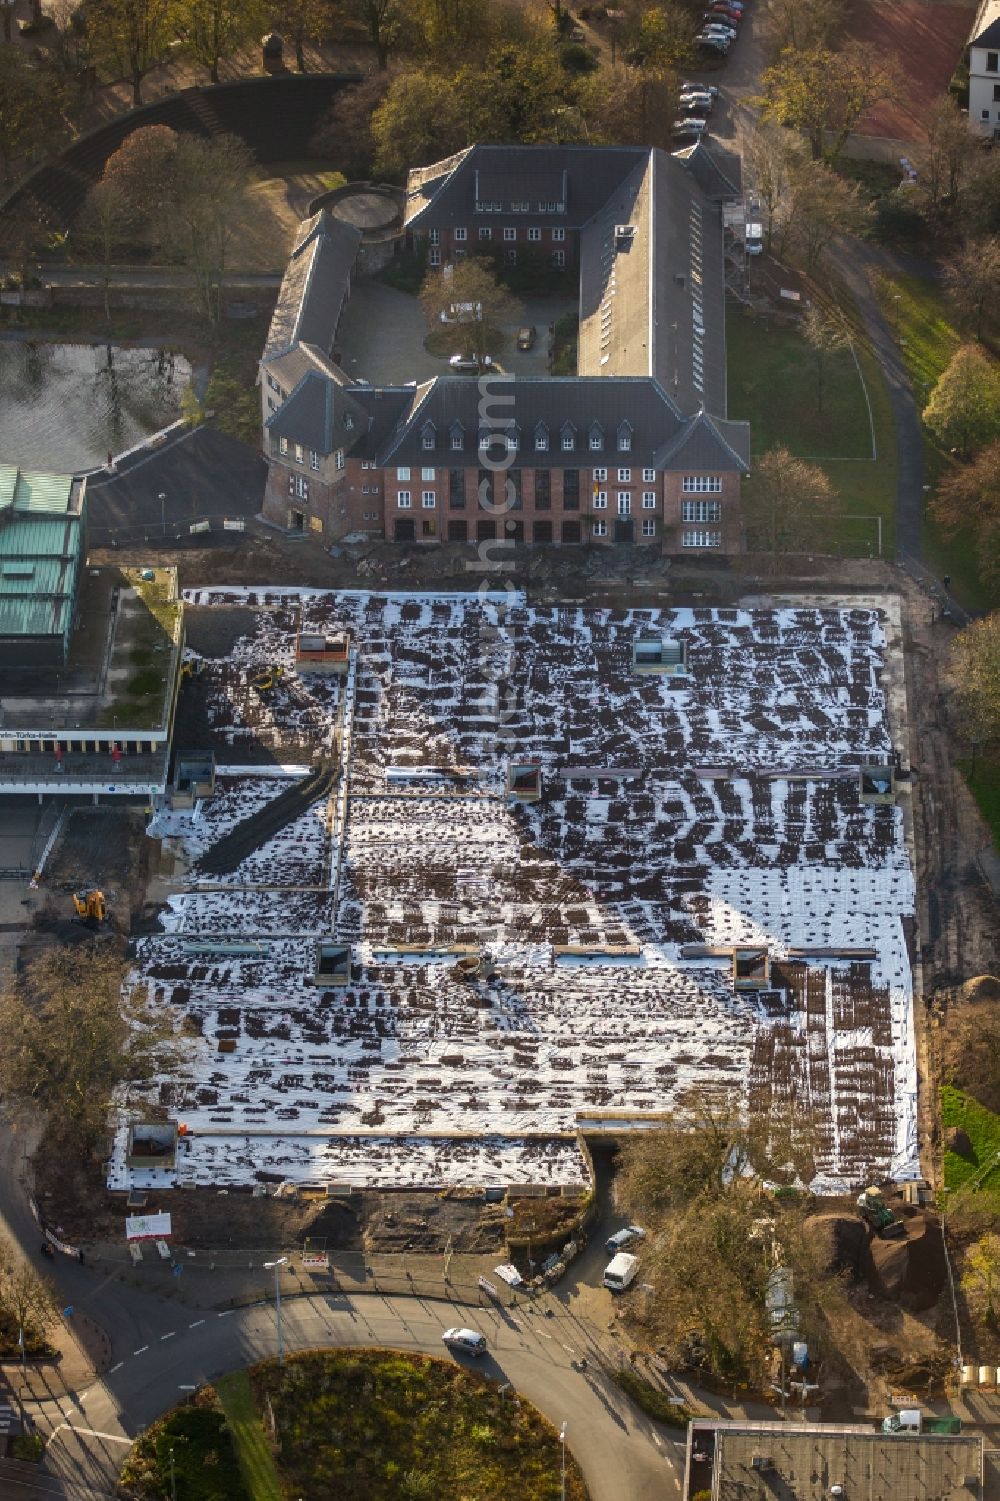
<point>762,1462</point>
<point>659,654</point>
<point>152,1144</point>
<point>751,969</point>
<point>333,963</point>
<point>878,783</point>
<point>194,776</point>
<point>624,235</point>
<point>322,654</point>
<point>524,781</point>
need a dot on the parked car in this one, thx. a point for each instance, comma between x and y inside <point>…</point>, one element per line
<point>720,15</point>
<point>690,129</point>
<point>623,1238</point>
<point>712,24</point>
<point>712,41</point>
<point>464,362</point>
<point>689,104</point>
<point>689,86</point>
<point>725,12</point>
<point>466,1340</point>
<point>526,337</point>
<point>620,1272</point>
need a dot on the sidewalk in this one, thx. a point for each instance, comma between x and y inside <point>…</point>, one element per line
<point>83,1352</point>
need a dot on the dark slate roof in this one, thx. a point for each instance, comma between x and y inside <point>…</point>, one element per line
<point>989,36</point>
<point>717,172</point>
<point>315,285</point>
<point>319,414</point>
<point>520,173</point>
<point>688,290</point>
<point>706,442</point>
<point>608,401</point>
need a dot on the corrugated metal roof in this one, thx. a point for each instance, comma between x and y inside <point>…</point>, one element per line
<point>33,490</point>
<point>40,558</point>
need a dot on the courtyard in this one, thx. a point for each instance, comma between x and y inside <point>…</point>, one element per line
<point>679,819</point>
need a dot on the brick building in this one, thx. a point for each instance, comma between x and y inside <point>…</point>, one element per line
<point>635,447</point>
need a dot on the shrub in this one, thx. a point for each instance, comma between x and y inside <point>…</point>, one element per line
<point>654,1402</point>
<point>575,57</point>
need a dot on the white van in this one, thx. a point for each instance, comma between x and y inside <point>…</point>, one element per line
<point>620,1271</point>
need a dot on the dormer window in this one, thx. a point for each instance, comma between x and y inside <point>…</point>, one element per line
<point>625,437</point>
<point>457,437</point>
<point>568,436</point>
<point>596,439</point>
<point>541,438</point>
<point>513,440</point>
<point>428,436</point>
<point>348,421</point>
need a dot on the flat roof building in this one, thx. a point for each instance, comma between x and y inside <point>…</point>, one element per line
<point>41,549</point>
<point>794,1461</point>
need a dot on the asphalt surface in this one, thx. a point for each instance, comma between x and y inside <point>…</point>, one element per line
<point>203,474</point>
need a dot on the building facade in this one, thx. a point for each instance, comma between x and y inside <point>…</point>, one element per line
<point>635,447</point>
<point>984,71</point>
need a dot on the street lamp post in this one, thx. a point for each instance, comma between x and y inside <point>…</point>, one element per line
<point>277,1265</point>
<point>162,498</point>
<point>562,1473</point>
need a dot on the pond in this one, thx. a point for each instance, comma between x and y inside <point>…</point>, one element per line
<point>64,407</point>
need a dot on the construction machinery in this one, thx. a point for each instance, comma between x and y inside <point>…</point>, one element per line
<point>875,1212</point>
<point>265,681</point>
<point>90,907</point>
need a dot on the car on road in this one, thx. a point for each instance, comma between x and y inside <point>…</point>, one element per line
<point>712,26</point>
<point>526,337</point>
<point>466,362</point>
<point>689,129</point>
<point>623,1238</point>
<point>466,1340</point>
<point>710,41</point>
<point>620,1272</point>
<point>694,104</point>
<point>718,15</point>
<point>691,86</point>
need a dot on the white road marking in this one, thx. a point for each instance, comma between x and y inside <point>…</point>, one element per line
<point>115,1368</point>
<point>112,1438</point>
<point>181,1387</point>
<point>167,1336</point>
<point>657,1441</point>
<point>196,1323</point>
<point>141,1350</point>
<point>225,1313</point>
<point>568,1348</point>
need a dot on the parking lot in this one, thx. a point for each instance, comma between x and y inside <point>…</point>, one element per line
<point>382,336</point>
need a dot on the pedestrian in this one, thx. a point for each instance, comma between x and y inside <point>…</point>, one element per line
<point>116,756</point>
<point>79,1257</point>
<point>57,752</point>
<point>946,581</point>
<point>110,466</point>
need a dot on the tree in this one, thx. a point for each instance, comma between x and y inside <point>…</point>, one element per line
<point>20,106</point>
<point>661,38</point>
<point>144,169</point>
<point>131,36</point>
<point>981,1278</point>
<point>420,120</point>
<point>525,88</point>
<point>979,202</point>
<point>345,132</point>
<point>215,29</point>
<point>382,19</point>
<point>207,212</point>
<point>771,155</point>
<point>828,334</point>
<point>824,94</point>
<point>791,26</point>
<point>302,21</point>
<point>634,106</point>
<point>964,408</point>
<point>27,1301</point>
<point>104,227</point>
<point>976,667</point>
<point>944,162</point>
<point>968,500</point>
<point>819,206</point>
<point>471,282</point>
<point>972,277</point>
<point>74,1032</point>
<point>448,29</point>
<point>787,505</point>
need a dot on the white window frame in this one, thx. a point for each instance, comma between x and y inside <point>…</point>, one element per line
<point>701,510</point>
<point>600,475</point>
<point>521,207</point>
<point>510,232</point>
<point>403,472</point>
<point>512,442</point>
<point>649,500</point>
<point>313,459</point>
<point>428,441</point>
<point>648,476</point>
<point>404,500</point>
<point>558,235</point>
<point>649,526</point>
<point>600,500</point>
<point>339,459</point>
<point>368,463</point>
<point>701,538</point>
<point>301,487</point>
<point>461,235</point>
<point>559,259</point>
<point>485,232</point>
<point>457,442</point>
<point>701,484</point>
<point>624,502</point>
<point>283,445</point>
<point>600,527</point>
<point>428,500</point>
<point>568,442</point>
<point>434,258</point>
<point>541,442</point>
<point>534,235</point>
<point>596,442</point>
<point>427,473</point>
<point>300,454</point>
<point>624,476</point>
<point>624,442</point>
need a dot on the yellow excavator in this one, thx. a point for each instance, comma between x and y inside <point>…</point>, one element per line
<point>265,681</point>
<point>90,907</point>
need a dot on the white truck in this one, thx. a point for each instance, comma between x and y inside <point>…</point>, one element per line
<point>620,1271</point>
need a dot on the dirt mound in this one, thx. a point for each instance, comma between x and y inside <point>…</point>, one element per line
<point>910,1271</point>
<point>982,988</point>
<point>839,1241</point>
<point>956,1139</point>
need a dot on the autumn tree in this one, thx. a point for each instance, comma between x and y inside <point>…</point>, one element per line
<point>216,29</point>
<point>827,333</point>
<point>130,36</point>
<point>944,162</point>
<point>73,1033</point>
<point>301,22</point>
<point>788,505</point>
<point>824,94</point>
<point>820,205</point>
<point>345,133</point>
<point>526,88</point>
<point>472,284</point>
<point>976,669</point>
<point>21,111</point>
<point>964,408</point>
<point>968,501</point>
<point>382,21</point>
<point>772,156</point>
<point>104,227</point>
<point>444,30</point>
<point>420,120</point>
<point>661,38</point>
<point>144,169</point>
<point>634,106</point>
<point>207,212</point>
<point>972,277</point>
<point>981,1279</point>
<point>979,199</point>
<point>791,26</point>
<point>28,1304</point>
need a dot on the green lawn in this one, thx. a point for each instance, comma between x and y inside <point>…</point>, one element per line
<point>984,784</point>
<point>378,1425</point>
<point>190,1451</point>
<point>773,385</point>
<point>983,1130</point>
<point>252,1451</point>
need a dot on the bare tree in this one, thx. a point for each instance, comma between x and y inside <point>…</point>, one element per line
<point>972,276</point>
<point>788,504</point>
<point>131,36</point>
<point>216,29</point>
<point>27,1301</point>
<point>820,205</point>
<point>470,296</point>
<point>945,161</point>
<point>968,502</point>
<point>772,156</point>
<point>827,332</point>
<point>207,212</point>
<point>103,229</point>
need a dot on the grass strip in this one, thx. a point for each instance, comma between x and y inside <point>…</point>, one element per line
<point>654,1402</point>
<point>249,1439</point>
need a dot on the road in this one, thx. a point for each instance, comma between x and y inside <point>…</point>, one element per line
<point>159,1349</point>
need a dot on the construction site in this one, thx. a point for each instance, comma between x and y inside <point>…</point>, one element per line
<point>452,885</point>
